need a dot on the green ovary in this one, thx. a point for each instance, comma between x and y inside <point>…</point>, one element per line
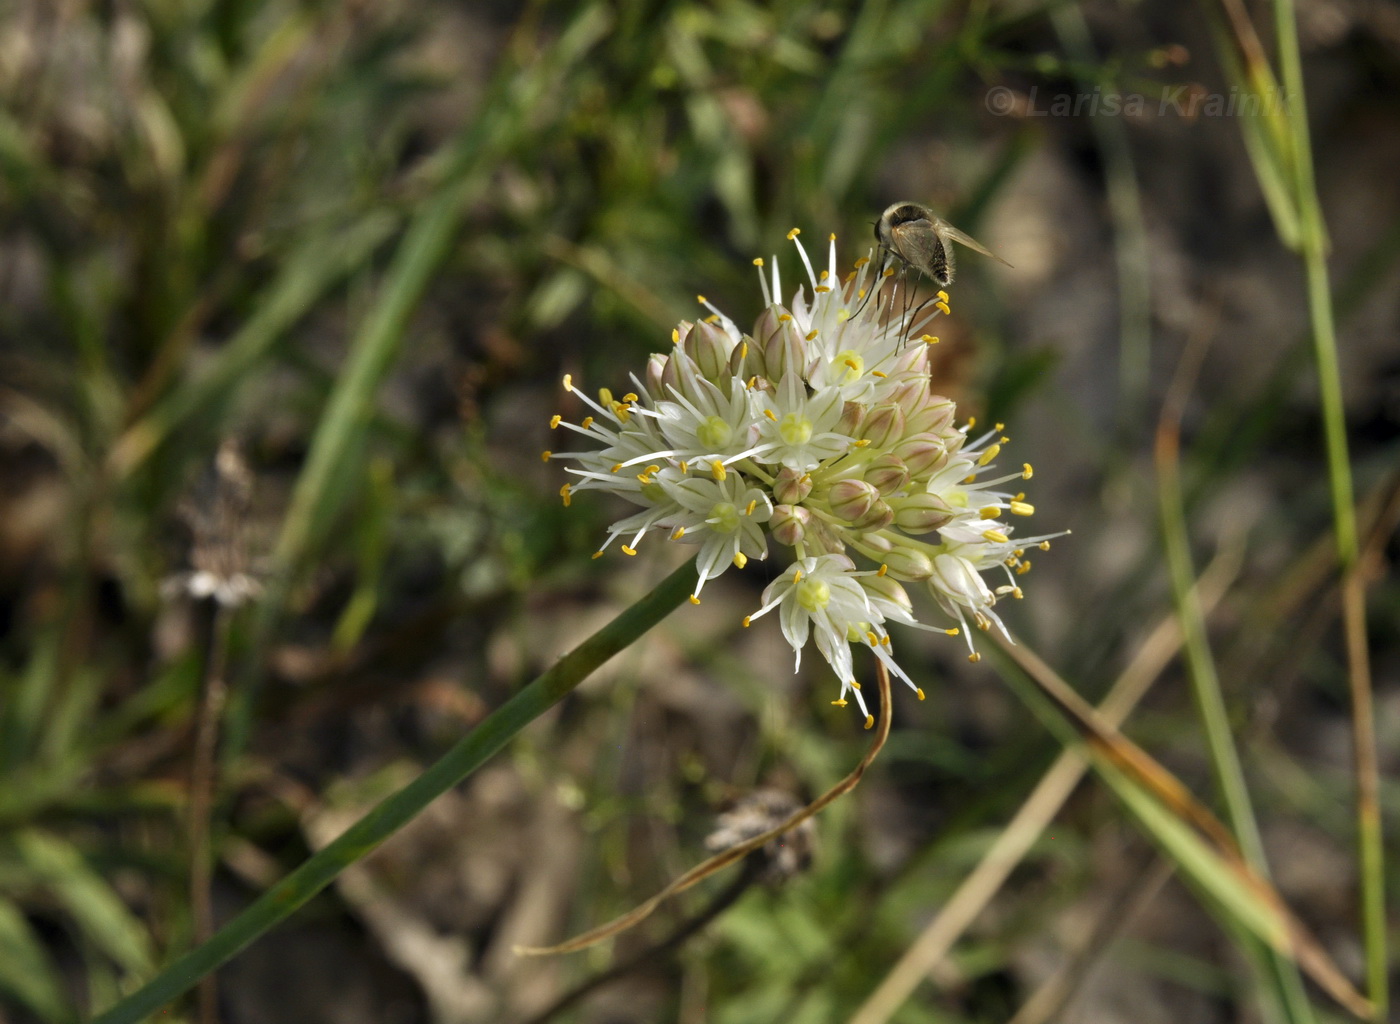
<point>724,518</point>
<point>714,433</point>
<point>813,595</point>
<point>795,429</point>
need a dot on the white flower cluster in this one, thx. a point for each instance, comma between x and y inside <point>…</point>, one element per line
<point>819,429</point>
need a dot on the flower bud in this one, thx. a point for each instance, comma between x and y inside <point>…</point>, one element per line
<point>851,499</point>
<point>709,346</point>
<point>782,348</point>
<point>879,516</point>
<point>886,590</point>
<point>884,425</point>
<point>920,513</point>
<point>656,368</point>
<point>852,415</point>
<point>923,454</point>
<point>789,524</point>
<point>887,474</point>
<point>934,415</point>
<point>908,563</point>
<point>791,487</point>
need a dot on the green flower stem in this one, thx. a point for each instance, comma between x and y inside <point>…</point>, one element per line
<point>284,898</point>
<point>1313,243</point>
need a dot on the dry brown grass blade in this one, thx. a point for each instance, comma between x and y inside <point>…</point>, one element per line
<point>1035,814</point>
<point>734,853</point>
<point>1103,738</point>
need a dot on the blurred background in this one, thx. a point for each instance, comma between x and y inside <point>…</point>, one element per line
<point>286,293</point>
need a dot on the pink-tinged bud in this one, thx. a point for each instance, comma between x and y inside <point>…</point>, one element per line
<point>884,425</point>
<point>887,474</point>
<point>791,487</point>
<point>920,513</point>
<point>923,454</point>
<point>656,369</point>
<point>934,416</point>
<point>908,563</point>
<point>878,517</point>
<point>782,346</point>
<point>746,360</point>
<point>789,524</point>
<point>708,347</point>
<point>852,416</point>
<point>914,359</point>
<point>851,499</point>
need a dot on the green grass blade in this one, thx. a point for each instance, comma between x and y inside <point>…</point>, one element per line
<point>292,892</point>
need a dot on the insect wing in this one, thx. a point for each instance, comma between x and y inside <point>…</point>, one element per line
<point>918,244</point>
<point>946,229</point>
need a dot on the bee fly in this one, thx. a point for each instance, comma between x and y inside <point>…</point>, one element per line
<point>918,238</point>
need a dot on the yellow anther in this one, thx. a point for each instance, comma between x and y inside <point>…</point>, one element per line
<point>751,506</point>
<point>784,317</point>
<point>831,237</point>
<point>811,335</point>
<point>1003,439</point>
<point>678,533</point>
<point>1017,594</point>
<point>546,455</point>
<point>740,559</point>
<point>1023,568</point>
<point>1022,508</point>
<point>929,339</point>
<point>999,426</point>
<point>743,350</point>
<point>883,569</point>
<point>628,551</point>
<point>952,632</point>
<point>568,382</point>
<point>566,493</point>
<point>852,364</point>
<point>990,512</point>
<point>919,692</point>
<point>586,422</point>
<point>861,262</point>
<point>860,294</point>
<point>796,576</point>
<point>700,299</point>
<point>555,420</point>
<point>822,288</point>
<point>713,318</point>
<point>793,233</point>
<point>872,638</point>
<point>758,261</point>
<point>685,468</point>
<point>1045,545</point>
<point>864,442</point>
<point>995,536</point>
<point>1026,471</point>
<point>971,422</point>
<point>855,684</point>
<point>974,657</point>
<point>630,397</point>
<point>823,275</point>
<point>597,554</point>
<point>771,415</point>
<point>987,456</point>
<point>717,470</point>
<point>617,467</point>
<point>943,307</point>
<point>885,640</point>
<point>869,721</point>
<point>694,599</point>
<point>943,295</point>
<point>747,620</point>
<point>839,703</point>
<point>878,373</point>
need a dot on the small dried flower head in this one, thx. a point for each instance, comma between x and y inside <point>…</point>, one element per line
<point>820,429</point>
<point>217,513</point>
<point>758,812</point>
